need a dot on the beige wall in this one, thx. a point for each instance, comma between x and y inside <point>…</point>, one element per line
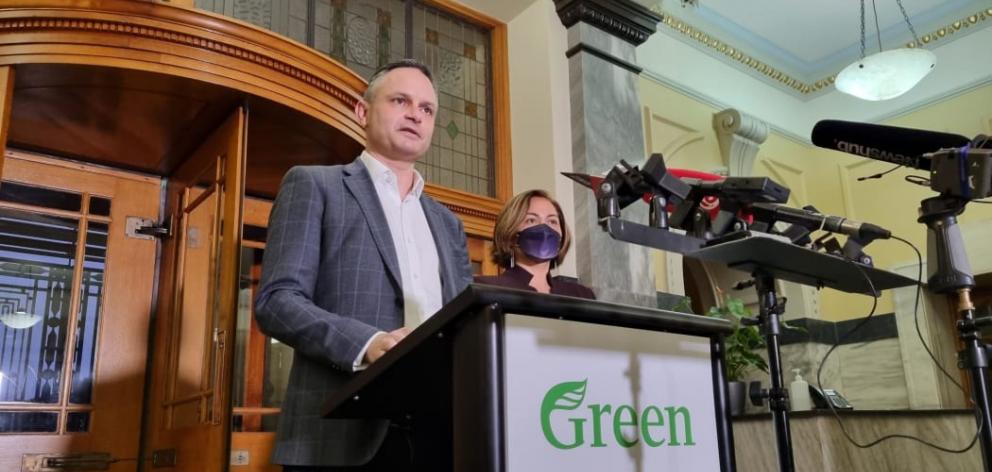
<point>539,108</point>
<point>892,202</point>
<point>680,127</point>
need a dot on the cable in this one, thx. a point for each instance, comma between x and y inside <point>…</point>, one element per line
<point>879,175</point>
<point>918,180</point>
<point>916,312</point>
<point>874,306</point>
<point>878,31</point>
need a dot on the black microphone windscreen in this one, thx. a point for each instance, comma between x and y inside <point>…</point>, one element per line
<point>840,135</point>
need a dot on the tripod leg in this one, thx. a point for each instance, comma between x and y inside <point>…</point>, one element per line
<point>949,273</point>
<point>976,359</point>
<point>778,398</point>
<point>980,393</point>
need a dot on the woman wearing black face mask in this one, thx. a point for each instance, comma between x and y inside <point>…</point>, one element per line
<point>529,240</point>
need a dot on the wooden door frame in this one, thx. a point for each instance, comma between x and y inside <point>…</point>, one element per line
<point>6,105</point>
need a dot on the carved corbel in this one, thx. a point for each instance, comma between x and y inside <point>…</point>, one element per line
<point>740,136</point>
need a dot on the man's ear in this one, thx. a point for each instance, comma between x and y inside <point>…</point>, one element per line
<point>362,111</point>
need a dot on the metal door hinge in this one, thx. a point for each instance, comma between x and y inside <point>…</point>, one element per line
<point>144,228</point>
<point>60,462</point>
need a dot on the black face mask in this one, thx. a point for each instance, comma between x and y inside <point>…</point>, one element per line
<point>539,242</point>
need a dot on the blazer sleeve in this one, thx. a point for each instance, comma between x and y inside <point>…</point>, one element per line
<point>464,264</point>
<point>284,306</point>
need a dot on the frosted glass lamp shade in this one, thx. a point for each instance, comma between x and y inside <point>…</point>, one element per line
<point>887,74</point>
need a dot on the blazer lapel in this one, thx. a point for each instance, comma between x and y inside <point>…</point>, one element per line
<point>443,242</point>
<point>359,183</point>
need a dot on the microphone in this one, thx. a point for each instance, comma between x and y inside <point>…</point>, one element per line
<point>902,146</point>
<point>813,221</point>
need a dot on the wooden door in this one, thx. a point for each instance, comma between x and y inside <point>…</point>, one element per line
<point>480,255</point>
<point>261,363</point>
<point>191,410</point>
<point>75,303</point>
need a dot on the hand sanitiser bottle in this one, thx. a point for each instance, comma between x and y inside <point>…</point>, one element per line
<point>799,393</point>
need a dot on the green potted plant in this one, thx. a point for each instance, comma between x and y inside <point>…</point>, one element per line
<point>740,350</point>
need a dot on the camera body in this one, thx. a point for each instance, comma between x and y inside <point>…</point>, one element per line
<point>964,172</point>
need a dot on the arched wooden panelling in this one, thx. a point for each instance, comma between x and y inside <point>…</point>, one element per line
<point>189,43</point>
<point>183,42</point>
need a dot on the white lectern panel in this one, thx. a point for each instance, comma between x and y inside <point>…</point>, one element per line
<point>590,397</point>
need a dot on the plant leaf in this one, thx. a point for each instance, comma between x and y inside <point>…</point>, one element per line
<point>736,307</point>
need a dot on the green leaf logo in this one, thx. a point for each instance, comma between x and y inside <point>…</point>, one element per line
<point>564,396</point>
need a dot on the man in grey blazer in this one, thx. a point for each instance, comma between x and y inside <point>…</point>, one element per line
<point>357,256</point>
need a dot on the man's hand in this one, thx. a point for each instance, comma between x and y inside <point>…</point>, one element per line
<point>383,342</point>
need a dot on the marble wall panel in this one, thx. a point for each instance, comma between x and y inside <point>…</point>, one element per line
<point>820,445</point>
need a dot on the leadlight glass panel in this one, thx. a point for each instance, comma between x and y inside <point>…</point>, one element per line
<point>457,52</point>
<point>28,421</point>
<point>77,422</point>
<point>88,322</point>
<point>37,255</point>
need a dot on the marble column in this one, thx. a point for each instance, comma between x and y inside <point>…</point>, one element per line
<point>607,127</point>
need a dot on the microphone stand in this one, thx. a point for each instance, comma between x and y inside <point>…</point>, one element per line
<point>770,308</point>
<point>953,277</point>
<point>625,184</point>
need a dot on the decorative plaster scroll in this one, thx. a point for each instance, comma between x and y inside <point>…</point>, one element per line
<point>740,136</point>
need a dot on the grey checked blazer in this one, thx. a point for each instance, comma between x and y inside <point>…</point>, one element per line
<point>330,280</point>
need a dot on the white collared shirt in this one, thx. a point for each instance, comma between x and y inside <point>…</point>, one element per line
<point>414,243</point>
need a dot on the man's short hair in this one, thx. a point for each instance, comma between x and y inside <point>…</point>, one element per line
<point>400,64</point>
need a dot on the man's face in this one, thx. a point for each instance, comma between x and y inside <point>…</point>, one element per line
<point>399,121</point>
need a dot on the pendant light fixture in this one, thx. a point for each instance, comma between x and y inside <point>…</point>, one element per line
<point>885,74</point>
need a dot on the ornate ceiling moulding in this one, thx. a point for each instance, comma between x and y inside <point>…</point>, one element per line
<point>179,41</point>
<point>736,54</point>
<point>804,88</point>
<point>953,27</point>
<point>624,19</point>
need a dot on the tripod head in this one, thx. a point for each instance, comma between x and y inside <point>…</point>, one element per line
<point>960,175</point>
